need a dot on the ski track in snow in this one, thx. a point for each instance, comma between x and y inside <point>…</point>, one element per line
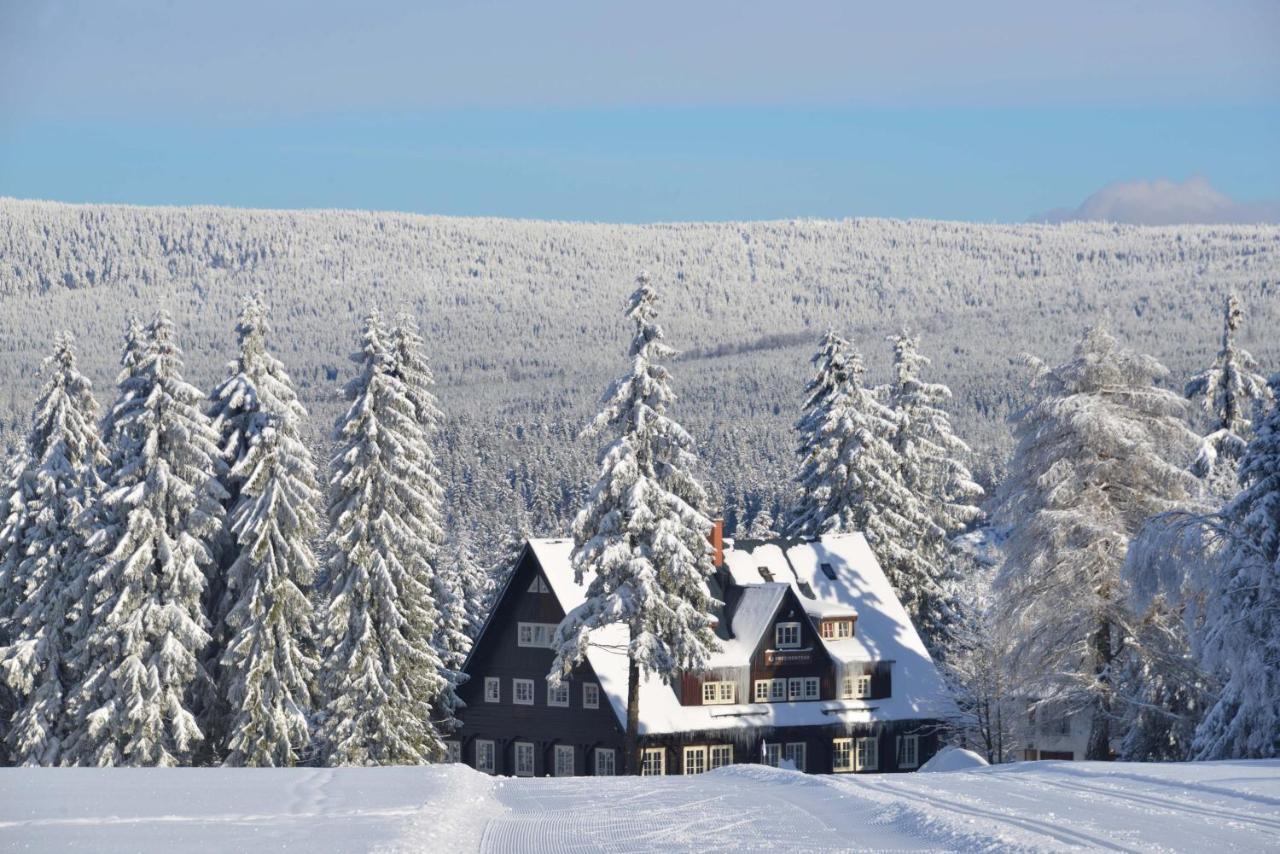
<point>1039,806</point>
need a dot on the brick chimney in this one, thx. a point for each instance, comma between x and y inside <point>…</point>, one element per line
<point>717,543</point>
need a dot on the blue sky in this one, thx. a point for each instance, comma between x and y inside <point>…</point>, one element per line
<point>636,112</point>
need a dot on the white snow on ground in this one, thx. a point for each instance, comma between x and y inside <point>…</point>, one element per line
<point>1035,806</point>
<point>242,809</point>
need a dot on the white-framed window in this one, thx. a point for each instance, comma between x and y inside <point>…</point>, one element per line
<point>653,762</point>
<point>535,634</point>
<point>606,762</point>
<point>558,695</point>
<point>772,754</point>
<point>786,635</point>
<point>842,754</point>
<point>538,585</point>
<point>695,760</point>
<point>523,758</point>
<point>453,751</point>
<point>794,751</point>
<point>844,629</point>
<point>485,754</point>
<point>908,751</point>
<point>777,690</point>
<point>867,755</point>
<point>762,690</point>
<point>811,688</point>
<point>492,689</point>
<point>590,695</point>
<point>828,630</point>
<point>564,760</point>
<point>522,692</point>
<point>857,687</point>
<point>718,693</point>
<point>795,689</point>
<point>721,755</point>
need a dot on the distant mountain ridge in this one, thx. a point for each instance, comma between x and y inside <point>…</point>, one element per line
<point>523,318</point>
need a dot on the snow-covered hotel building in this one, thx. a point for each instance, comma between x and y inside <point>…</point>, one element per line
<point>819,668</point>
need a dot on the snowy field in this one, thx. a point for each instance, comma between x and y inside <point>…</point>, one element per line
<point>1040,806</point>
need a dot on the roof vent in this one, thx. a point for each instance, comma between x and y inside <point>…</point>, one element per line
<point>829,571</point>
<point>766,574</point>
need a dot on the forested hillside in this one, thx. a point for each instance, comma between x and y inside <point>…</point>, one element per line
<point>522,319</point>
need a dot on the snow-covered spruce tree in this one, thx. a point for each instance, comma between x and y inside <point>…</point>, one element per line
<point>932,467</point>
<point>1232,393</point>
<point>508,552</point>
<point>851,480</point>
<point>1240,637</point>
<point>641,542</point>
<point>1161,692</point>
<point>267,666</point>
<point>380,675</point>
<point>258,395</point>
<point>408,352</point>
<point>475,582</point>
<point>138,657</point>
<point>976,666</point>
<point>64,454</point>
<point>1101,452</point>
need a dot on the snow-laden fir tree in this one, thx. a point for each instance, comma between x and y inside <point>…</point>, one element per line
<point>381,676</point>
<point>851,478</point>
<point>640,543</point>
<point>932,467</point>
<point>64,453</point>
<point>762,527</point>
<point>476,584</point>
<point>138,657</point>
<point>989,704</point>
<point>408,351</point>
<point>1232,393</point>
<point>451,641</point>
<point>267,666</point>
<point>1161,692</point>
<point>1102,451</point>
<point>1239,640</point>
<point>506,555</point>
<point>267,555</point>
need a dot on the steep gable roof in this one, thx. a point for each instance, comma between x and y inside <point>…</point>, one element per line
<point>859,587</point>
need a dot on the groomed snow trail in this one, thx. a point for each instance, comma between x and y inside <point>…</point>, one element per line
<point>1041,806</point>
<point>742,809</point>
<point>1034,806</point>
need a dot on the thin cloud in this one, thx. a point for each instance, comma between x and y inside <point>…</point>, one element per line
<point>1165,202</point>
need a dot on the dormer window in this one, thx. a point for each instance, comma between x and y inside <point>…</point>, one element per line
<point>838,629</point>
<point>787,635</point>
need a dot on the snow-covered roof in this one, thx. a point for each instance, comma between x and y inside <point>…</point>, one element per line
<point>859,587</point>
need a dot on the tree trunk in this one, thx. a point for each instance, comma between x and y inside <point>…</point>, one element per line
<point>1100,727</point>
<point>630,743</point>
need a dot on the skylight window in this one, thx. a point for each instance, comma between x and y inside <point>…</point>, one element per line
<point>829,571</point>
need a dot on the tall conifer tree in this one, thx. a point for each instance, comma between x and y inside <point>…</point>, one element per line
<point>64,453</point>
<point>640,543</point>
<point>381,674</point>
<point>159,518</point>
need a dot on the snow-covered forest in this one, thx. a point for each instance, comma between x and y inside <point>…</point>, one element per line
<point>521,320</point>
<point>236,545</point>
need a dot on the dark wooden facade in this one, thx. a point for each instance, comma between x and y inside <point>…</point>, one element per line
<point>498,654</point>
